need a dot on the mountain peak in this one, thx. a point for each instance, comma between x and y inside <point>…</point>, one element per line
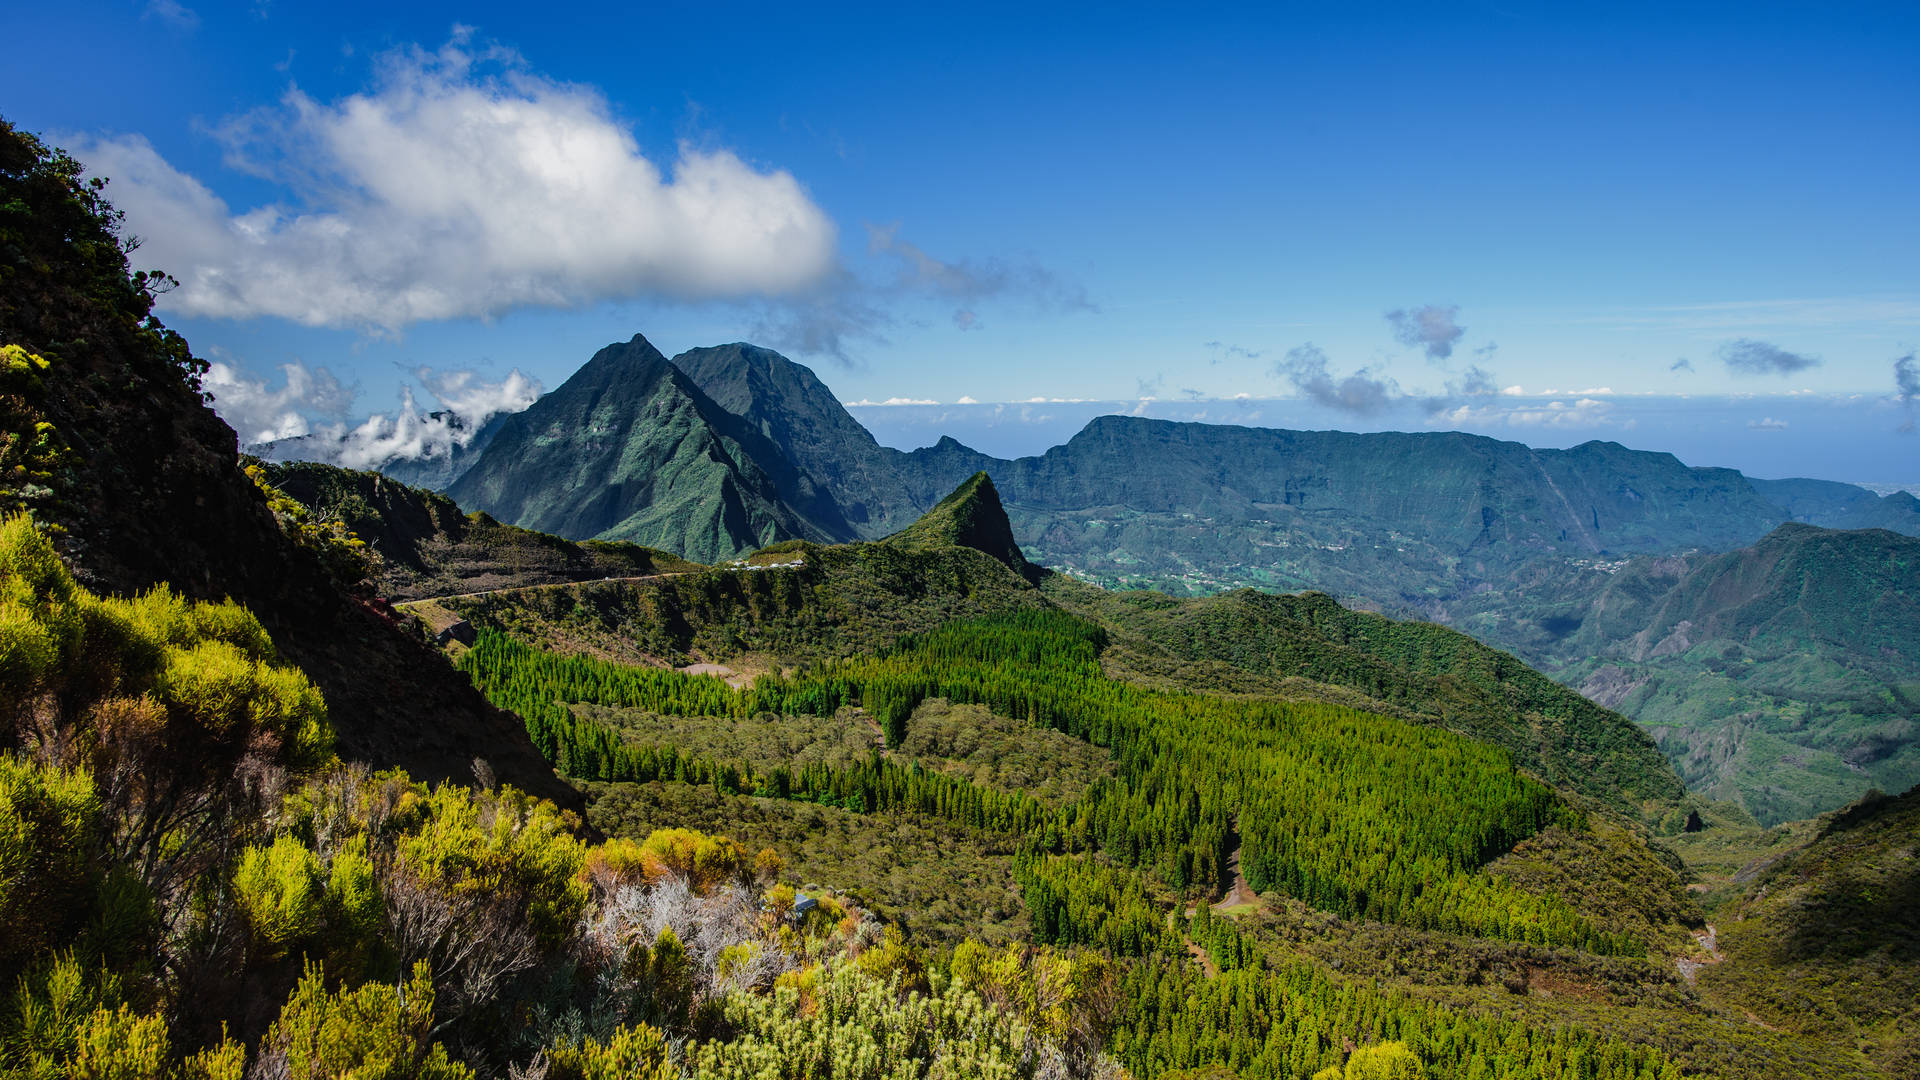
<point>970,517</point>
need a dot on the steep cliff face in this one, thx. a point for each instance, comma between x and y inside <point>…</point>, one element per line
<point>834,458</point>
<point>147,488</point>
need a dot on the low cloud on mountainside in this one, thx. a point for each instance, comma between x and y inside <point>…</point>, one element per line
<point>310,405</point>
<point>461,185</point>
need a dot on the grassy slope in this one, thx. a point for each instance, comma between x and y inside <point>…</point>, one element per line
<point>1824,938</point>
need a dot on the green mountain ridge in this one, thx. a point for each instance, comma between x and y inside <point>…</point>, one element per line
<point>1509,543</point>
<point>422,545</point>
<point>971,517</point>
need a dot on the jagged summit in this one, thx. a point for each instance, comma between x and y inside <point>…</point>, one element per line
<point>630,448</point>
<point>970,517</point>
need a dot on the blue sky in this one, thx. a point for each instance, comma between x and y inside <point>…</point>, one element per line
<point>1617,206</point>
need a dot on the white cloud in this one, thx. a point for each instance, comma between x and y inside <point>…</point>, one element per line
<point>869,403</point>
<point>312,403</point>
<point>1767,423</point>
<point>966,399</point>
<point>473,398</point>
<point>260,413</point>
<point>460,185</point>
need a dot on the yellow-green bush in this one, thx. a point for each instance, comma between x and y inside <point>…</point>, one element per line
<point>703,862</point>
<point>630,1053</point>
<point>372,1032</point>
<point>280,888</point>
<point>505,843</point>
<point>50,1006</point>
<point>211,668</point>
<point>1384,1061</point>
<point>123,1045</point>
<point>353,893</point>
<point>49,855</point>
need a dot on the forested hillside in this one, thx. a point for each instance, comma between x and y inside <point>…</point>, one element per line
<point>1784,676</point>
<point>1532,908</point>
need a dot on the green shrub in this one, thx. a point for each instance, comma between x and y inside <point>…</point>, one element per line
<point>630,1053</point>
<point>123,1045</point>
<point>1385,1061</point>
<point>280,888</point>
<point>49,855</point>
<point>373,1032</point>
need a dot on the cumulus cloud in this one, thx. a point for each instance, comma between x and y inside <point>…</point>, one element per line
<point>1906,384</point>
<point>473,398</point>
<point>1745,356</point>
<point>460,185</point>
<point>1361,393</point>
<point>1434,327</point>
<point>1682,364</point>
<point>1767,423</point>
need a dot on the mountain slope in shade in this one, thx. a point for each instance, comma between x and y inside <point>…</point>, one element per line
<point>836,458</point>
<point>1824,940</point>
<point>971,517</point>
<point>423,546</point>
<point>630,449</point>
